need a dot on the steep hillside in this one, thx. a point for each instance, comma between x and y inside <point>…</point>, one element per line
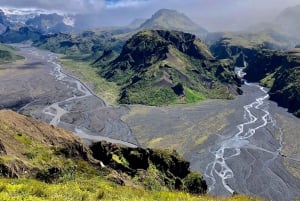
<point>280,72</point>
<point>85,44</point>
<point>19,34</point>
<point>30,149</point>
<point>172,20</point>
<point>164,67</point>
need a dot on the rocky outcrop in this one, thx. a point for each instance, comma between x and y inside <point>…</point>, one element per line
<point>171,170</point>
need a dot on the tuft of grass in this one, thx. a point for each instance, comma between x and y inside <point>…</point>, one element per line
<point>193,96</point>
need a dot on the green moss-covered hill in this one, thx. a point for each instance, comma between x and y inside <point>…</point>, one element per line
<point>40,162</point>
<point>158,67</point>
<point>83,44</point>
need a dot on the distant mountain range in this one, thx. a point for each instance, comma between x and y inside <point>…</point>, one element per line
<point>52,23</point>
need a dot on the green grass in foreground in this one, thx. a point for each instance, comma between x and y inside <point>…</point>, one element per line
<point>92,189</point>
<point>109,91</point>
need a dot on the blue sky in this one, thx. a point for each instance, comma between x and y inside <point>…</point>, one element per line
<point>212,14</point>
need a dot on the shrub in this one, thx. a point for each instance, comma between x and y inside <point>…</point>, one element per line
<point>195,184</point>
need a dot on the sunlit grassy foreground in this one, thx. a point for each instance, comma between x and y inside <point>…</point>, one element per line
<point>90,189</point>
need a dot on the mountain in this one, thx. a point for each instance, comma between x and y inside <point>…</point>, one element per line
<point>20,34</point>
<point>288,22</point>
<point>51,23</point>
<point>172,20</point>
<point>159,67</point>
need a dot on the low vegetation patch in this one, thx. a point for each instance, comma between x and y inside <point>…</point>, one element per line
<point>109,91</point>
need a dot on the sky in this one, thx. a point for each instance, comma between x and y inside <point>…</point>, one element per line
<point>214,15</point>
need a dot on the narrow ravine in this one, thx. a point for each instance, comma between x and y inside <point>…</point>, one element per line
<point>249,153</point>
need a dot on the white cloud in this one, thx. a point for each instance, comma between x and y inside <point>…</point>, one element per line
<point>214,15</point>
<point>63,6</point>
<point>126,4</point>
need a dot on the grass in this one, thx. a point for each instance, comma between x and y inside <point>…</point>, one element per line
<point>150,95</point>
<point>109,91</point>
<point>96,188</point>
<point>193,96</point>
<point>268,81</point>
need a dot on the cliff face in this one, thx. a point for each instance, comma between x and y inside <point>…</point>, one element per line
<point>279,71</point>
<point>153,63</point>
<point>286,87</point>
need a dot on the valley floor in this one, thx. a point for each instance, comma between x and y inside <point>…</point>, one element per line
<point>260,168</point>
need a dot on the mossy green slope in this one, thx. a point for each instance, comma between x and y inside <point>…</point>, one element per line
<point>158,67</point>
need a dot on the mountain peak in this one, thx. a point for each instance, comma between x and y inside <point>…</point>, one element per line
<point>172,20</point>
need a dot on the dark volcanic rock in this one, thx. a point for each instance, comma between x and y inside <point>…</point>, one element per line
<point>173,170</point>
